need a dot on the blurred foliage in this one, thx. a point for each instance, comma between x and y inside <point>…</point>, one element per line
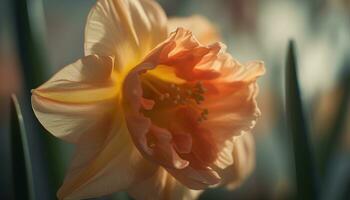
<point>307,184</point>
<point>30,30</point>
<point>21,162</point>
<point>30,26</point>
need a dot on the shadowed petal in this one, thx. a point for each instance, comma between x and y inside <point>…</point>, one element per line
<point>196,179</point>
<point>243,153</point>
<point>162,186</point>
<point>115,167</point>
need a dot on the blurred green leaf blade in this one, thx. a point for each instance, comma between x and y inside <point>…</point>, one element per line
<point>30,31</point>
<point>21,163</point>
<point>346,193</point>
<point>30,26</point>
<point>307,185</point>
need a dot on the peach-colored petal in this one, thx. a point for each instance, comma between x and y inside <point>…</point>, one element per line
<point>200,26</point>
<point>77,98</point>
<point>126,29</point>
<point>116,166</point>
<point>244,161</point>
<point>163,152</point>
<point>232,87</point>
<point>224,157</point>
<point>196,179</point>
<point>232,113</point>
<point>233,106</point>
<point>189,59</point>
<point>162,186</point>
<point>163,149</point>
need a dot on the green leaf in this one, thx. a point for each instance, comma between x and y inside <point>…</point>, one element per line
<point>21,163</point>
<point>30,32</point>
<point>346,192</point>
<point>307,185</point>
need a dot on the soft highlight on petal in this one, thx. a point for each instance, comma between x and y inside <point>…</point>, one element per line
<point>125,29</point>
<point>76,98</point>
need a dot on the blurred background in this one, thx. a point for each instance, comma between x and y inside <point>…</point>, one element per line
<point>252,30</point>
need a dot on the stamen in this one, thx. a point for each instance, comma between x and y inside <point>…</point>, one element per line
<point>200,88</point>
<point>186,95</point>
<point>198,98</point>
<point>205,111</point>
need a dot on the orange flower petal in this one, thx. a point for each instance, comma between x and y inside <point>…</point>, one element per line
<point>230,91</point>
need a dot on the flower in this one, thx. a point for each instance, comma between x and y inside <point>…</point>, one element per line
<point>158,115</point>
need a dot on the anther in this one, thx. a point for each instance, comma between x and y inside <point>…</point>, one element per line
<point>202,89</point>
<point>198,98</point>
<point>205,111</point>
